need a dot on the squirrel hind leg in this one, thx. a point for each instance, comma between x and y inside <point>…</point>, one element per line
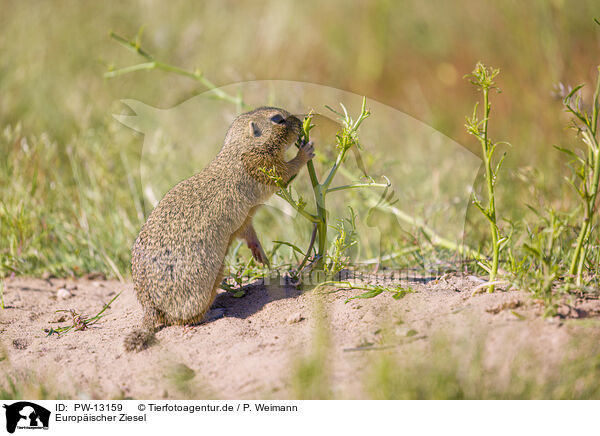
<point>143,337</point>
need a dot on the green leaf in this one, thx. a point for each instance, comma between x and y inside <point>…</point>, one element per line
<point>573,91</point>
<point>502,242</point>
<point>402,293</point>
<point>518,315</point>
<point>499,165</point>
<point>533,250</point>
<point>334,111</point>
<point>289,244</point>
<point>569,153</point>
<point>369,294</point>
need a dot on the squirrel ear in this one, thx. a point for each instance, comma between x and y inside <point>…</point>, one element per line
<point>254,130</point>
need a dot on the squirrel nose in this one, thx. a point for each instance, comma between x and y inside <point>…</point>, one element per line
<point>294,121</point>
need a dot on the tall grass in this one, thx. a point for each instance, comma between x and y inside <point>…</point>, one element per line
<point>66,211</point>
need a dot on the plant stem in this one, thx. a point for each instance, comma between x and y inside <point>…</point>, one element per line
<point>483,78</point>
<point>310,247</point>
<point>359,185</point>
<point>580,253</point>
<point>157,65</point>
<point>589,135</point>
<point>487,155</point>
<point>319,195</point>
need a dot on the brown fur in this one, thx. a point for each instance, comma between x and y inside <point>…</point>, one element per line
<point>177,259</point>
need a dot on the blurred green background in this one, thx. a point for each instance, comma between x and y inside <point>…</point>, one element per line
<point>70,197</point>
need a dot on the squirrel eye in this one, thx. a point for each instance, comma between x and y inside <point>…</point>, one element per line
<point>277,119</point>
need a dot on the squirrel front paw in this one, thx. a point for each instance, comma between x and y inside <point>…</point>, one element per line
<point>307,151</point>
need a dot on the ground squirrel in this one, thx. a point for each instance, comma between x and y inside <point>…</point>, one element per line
<point>177,259</point>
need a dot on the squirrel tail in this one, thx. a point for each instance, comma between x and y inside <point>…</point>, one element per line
<point>143,337</point>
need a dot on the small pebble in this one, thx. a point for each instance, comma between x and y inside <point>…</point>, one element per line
<point>295,318</point>
<point>476,279</point>
<point>63,294</point>
<point>95,276</point>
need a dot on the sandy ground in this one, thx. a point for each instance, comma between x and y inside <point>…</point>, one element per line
<point>250,351</point>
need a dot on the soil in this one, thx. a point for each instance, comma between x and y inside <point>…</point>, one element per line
<point>251,349</point>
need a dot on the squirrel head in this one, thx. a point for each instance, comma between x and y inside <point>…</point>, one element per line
<point>268,130</point>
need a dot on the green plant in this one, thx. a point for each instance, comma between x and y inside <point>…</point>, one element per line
<point>345,239</point>
<point>79,321</point>
<point>245,273</point>
<point>540,266</point>
<point>346,138</point>
<point>483,78</point>
<point>586,171</point>
<point>398,292</point>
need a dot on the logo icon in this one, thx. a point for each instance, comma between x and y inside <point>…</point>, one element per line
<point>26,415</point>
